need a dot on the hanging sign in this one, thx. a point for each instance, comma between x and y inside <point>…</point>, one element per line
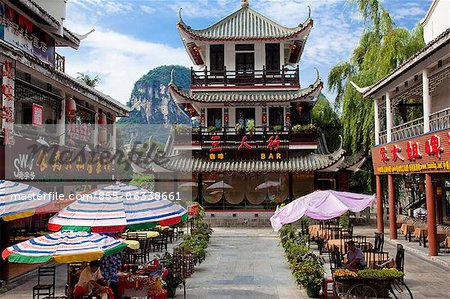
<point>20,32</point>
<point>8,102</point>
<point>37,115</point>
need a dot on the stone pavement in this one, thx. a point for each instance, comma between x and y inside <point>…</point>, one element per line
<point>243,263</point>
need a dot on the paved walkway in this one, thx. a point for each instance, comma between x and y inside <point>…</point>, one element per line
<point>244,263</point>
<point>249,263</point>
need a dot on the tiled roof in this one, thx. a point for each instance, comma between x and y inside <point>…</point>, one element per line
<point>246,24</point>
<point>310,162</point>
<point>246,96</point>
<point>433,46</point>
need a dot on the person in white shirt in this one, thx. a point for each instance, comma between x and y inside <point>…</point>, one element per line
<point>91,282</point>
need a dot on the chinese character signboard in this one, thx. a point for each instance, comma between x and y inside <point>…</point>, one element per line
<point>30,160</point>
<point>8,102</point>
<point>247,147</point>
<point>426,153</point>
<point>25,35</point>
<point>37,115</point>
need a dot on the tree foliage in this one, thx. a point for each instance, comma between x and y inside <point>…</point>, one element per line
<point>325,118</point>
<point>88,80</point>
<point>382,48</point>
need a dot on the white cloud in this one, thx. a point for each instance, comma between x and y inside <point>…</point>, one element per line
<point>147,9</point>
<point>405,12</point>
<point>102,7</point>
<point>119,59</point>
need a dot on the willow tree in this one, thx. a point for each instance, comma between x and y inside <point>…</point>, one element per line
<point>382,48</point>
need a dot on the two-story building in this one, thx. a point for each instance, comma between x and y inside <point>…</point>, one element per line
<point>255,144</point>
<point>412,122</point>
<point>42,105</point>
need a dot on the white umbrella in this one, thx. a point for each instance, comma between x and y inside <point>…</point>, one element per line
<point>267,185</point>
<point>321,205</point>
<point>188,185</point>
<point>219,185</point>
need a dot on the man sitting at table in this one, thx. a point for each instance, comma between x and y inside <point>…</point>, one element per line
<point>91,282</point>
<point>355,257</point>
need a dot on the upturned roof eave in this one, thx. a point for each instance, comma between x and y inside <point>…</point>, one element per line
<point>291,33</point>
<point>301,95</point>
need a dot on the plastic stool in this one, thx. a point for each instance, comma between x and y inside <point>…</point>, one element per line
<point>327,291</point>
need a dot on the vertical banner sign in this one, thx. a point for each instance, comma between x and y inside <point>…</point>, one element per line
<point>8,102</point>
<point>37,115</point>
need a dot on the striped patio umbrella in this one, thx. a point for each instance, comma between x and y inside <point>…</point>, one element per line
<point>118,207</point>
<point>18,200</point>
<point>64,247</point>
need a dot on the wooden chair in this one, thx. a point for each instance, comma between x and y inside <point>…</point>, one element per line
<point>400,258</point>
<point>46,282</point>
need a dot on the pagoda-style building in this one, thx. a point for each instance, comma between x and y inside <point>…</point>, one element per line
<point>255,144</point>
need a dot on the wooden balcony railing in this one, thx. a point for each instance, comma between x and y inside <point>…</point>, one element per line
<point>60,62</point>
<point>229,136</point>
<point>285,76</point>
<point>438,121</point>
<point>408,129</point>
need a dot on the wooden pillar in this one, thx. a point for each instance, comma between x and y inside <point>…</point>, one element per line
<point>291,187</point>
<point>431,217</point>
<point>392,211</point>
<point>199,188</point>
<point>380,224</point>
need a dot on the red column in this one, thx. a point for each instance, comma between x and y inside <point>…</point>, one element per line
<point>380,224</point>
<point>431,217</point>
<point>392,211</point>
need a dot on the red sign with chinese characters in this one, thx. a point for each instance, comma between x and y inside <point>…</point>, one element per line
<point>423,154</point>
<point>7,116</point>
<point>37,115</point>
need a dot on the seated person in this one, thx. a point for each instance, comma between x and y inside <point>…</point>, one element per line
<point>91,282</point>
<point>355,257</point>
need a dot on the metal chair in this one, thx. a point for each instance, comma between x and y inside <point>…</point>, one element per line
<point>46,282</point>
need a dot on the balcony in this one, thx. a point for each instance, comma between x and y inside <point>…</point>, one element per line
<point>229,137</point>
<point>60,62</point>
<point>438,121</point>
<point>284,77</point>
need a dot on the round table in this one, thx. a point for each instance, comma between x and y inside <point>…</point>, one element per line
<point>132,244</point>
<point>147,233</point>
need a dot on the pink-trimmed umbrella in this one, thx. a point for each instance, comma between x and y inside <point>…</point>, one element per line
<point>322,205</point>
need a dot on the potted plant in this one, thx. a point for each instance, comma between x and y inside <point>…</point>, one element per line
<point>251,126</point>
<point>173,278</point>
<point>238,128</point>
<point>211,129</point>
<point>309,272</point>
<point>278,128</point>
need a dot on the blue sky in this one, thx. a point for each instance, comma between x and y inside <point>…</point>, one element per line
<point>132,37</point>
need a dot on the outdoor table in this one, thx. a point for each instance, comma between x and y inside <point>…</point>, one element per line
<point>132,244</point>
<point>340,244</point>
<point>406,230</point>
<point>420,232</point>
<point>313,229</point>
<point>447,242</point>
<point>148,233</point>
<point>159,227</point>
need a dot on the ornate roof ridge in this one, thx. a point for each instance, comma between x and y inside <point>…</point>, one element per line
<point>233,27</point>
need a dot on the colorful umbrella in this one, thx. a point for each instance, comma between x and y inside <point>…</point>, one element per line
<point>321,205</point>
<point>64,247</point>
<point>19,200</point>
<point>117,207</point>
